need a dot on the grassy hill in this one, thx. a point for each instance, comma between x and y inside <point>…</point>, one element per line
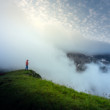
<point>25,90</point>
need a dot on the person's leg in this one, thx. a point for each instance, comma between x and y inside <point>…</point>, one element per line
<point>26,67</point>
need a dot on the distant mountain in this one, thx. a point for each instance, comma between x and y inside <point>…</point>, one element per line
<point>81,60</point>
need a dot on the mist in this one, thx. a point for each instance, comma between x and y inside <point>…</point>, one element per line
<point>25,35</point>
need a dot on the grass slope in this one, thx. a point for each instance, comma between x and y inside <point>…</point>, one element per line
<point>19,90</point>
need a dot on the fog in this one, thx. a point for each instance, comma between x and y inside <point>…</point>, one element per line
<point>45,45</point>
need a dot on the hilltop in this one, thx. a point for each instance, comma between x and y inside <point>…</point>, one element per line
<point>26,90</point>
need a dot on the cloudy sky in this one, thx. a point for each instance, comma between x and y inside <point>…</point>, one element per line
<point>84,23</point>
<point>89,17</point>
<point>44,31</point>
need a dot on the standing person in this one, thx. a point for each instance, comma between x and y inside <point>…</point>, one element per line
<point>26,65</point>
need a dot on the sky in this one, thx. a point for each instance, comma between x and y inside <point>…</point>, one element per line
<point>89,17</point>
<point>79,23</point>
<point>44,31</point>
<point>72,19</point>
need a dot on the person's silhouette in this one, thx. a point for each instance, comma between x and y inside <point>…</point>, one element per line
<point>26,65</point>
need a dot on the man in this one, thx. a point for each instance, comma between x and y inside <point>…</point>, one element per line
<point>26,65</point>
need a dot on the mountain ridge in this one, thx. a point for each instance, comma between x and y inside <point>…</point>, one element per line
<point>20,90</point>
<point>80,60</point>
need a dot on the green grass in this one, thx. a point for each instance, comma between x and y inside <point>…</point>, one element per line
<point>25,90</point>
